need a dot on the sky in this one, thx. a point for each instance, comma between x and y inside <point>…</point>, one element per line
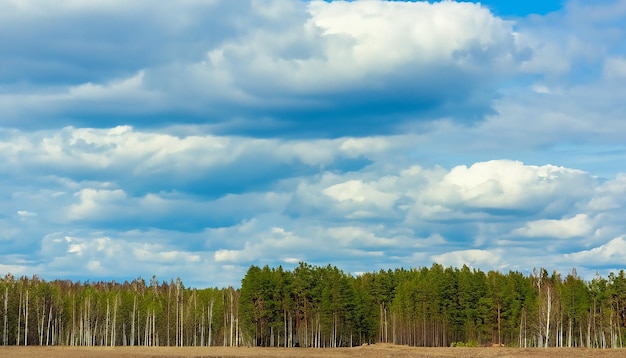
<point>195,138</point>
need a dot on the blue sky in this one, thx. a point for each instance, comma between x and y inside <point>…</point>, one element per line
<point>194,139</point>
<point>522,8</point>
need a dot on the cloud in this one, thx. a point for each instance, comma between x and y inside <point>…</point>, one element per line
<point>98,203</point>
<point>504,186</point>
<point>145,161</point>
<point>366,134</point>
<point>578,225</point>
<point>362,196</point>
<point>615,68</point>
<point>609,254</point>
<point>409,222</point>
<point>474,258</point>
<point>423,60</point>
<point>24,213</point>
<point>123,256</point>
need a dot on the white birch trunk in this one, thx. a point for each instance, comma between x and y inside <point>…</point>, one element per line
<point>114,321</point>
<point>232,318</point>
<point>19,320</point>
<point>106,326</point>
<point>5,335</point>
<point>569,333</point>
<point>26,321</point>
<point>132,325</point>
<point>548,316</point>
<point>210,314</point>
<point>177,314</point>
<point>43,320</point>
<point>182,323</point>
<point>589,330</point>
<point>49,324</point>
<point>202,330</point>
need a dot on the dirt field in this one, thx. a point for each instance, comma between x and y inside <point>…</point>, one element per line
<point>379,350</point>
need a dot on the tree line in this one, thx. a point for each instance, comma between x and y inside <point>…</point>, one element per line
<point>322,306</point>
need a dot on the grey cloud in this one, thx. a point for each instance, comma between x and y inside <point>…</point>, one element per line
<point>314,74</point>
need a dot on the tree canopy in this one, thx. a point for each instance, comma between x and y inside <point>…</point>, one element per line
<point>322,306</point>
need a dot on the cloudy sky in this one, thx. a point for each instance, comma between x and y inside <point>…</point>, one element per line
<point>195,138</point>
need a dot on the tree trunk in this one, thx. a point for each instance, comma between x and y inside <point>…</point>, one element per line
<point>210,314</point>
<point>132,324</point>
<point>19,321</point>
<point>49,324</point>
<point>177,313</point>
<point>589,329</point>
<point>569,333</point>
<point>106,327</point>
<point>169,296</point>
<point>42,321</point>
<point>182,321</point>
<point>284,327</point>
<point>499,325</point>
<point>5,335</point>
<point>114,321</point>
<point>26,321</point>
<point>232,318</point>
<point>548,316</point>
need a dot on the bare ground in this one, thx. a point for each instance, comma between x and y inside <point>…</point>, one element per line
<point>377,350</point>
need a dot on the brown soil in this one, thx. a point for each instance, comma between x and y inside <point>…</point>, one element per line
<point>377,350</point>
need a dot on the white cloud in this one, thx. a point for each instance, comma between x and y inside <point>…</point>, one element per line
<point>292,260</point>
<point>363,195</point>
<point>579,225</point>
<point>348,45</point>
<point>385,35</point>
<point>25,213</point>
<point>474,258</point>
<point>159,254</point>
<point>126,255</point>
<point>611,253</point>
<point>143,153</point>
<point>615,68</point>
<point>361,237</point>
<point>350,71</point>
<point>232,256</point>
<point>608,196</point>
<point>402,228</point>
<point>97,204</point>
<point>432,52</point>
<point>507,185</point>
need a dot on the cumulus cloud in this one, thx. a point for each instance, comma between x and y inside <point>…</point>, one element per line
<point>97,203</point>
<point>320,221</point>
<point>473,258</point>
<point>578,225</point>
<point>125,256</point>
<point>423,60</point>
<point>500,187</point>
<point>609,254</point>
<point>215,135</point>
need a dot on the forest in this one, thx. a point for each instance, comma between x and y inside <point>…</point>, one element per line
<point>322,306</point>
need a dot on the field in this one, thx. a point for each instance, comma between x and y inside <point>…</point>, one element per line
<point>378,350</point>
